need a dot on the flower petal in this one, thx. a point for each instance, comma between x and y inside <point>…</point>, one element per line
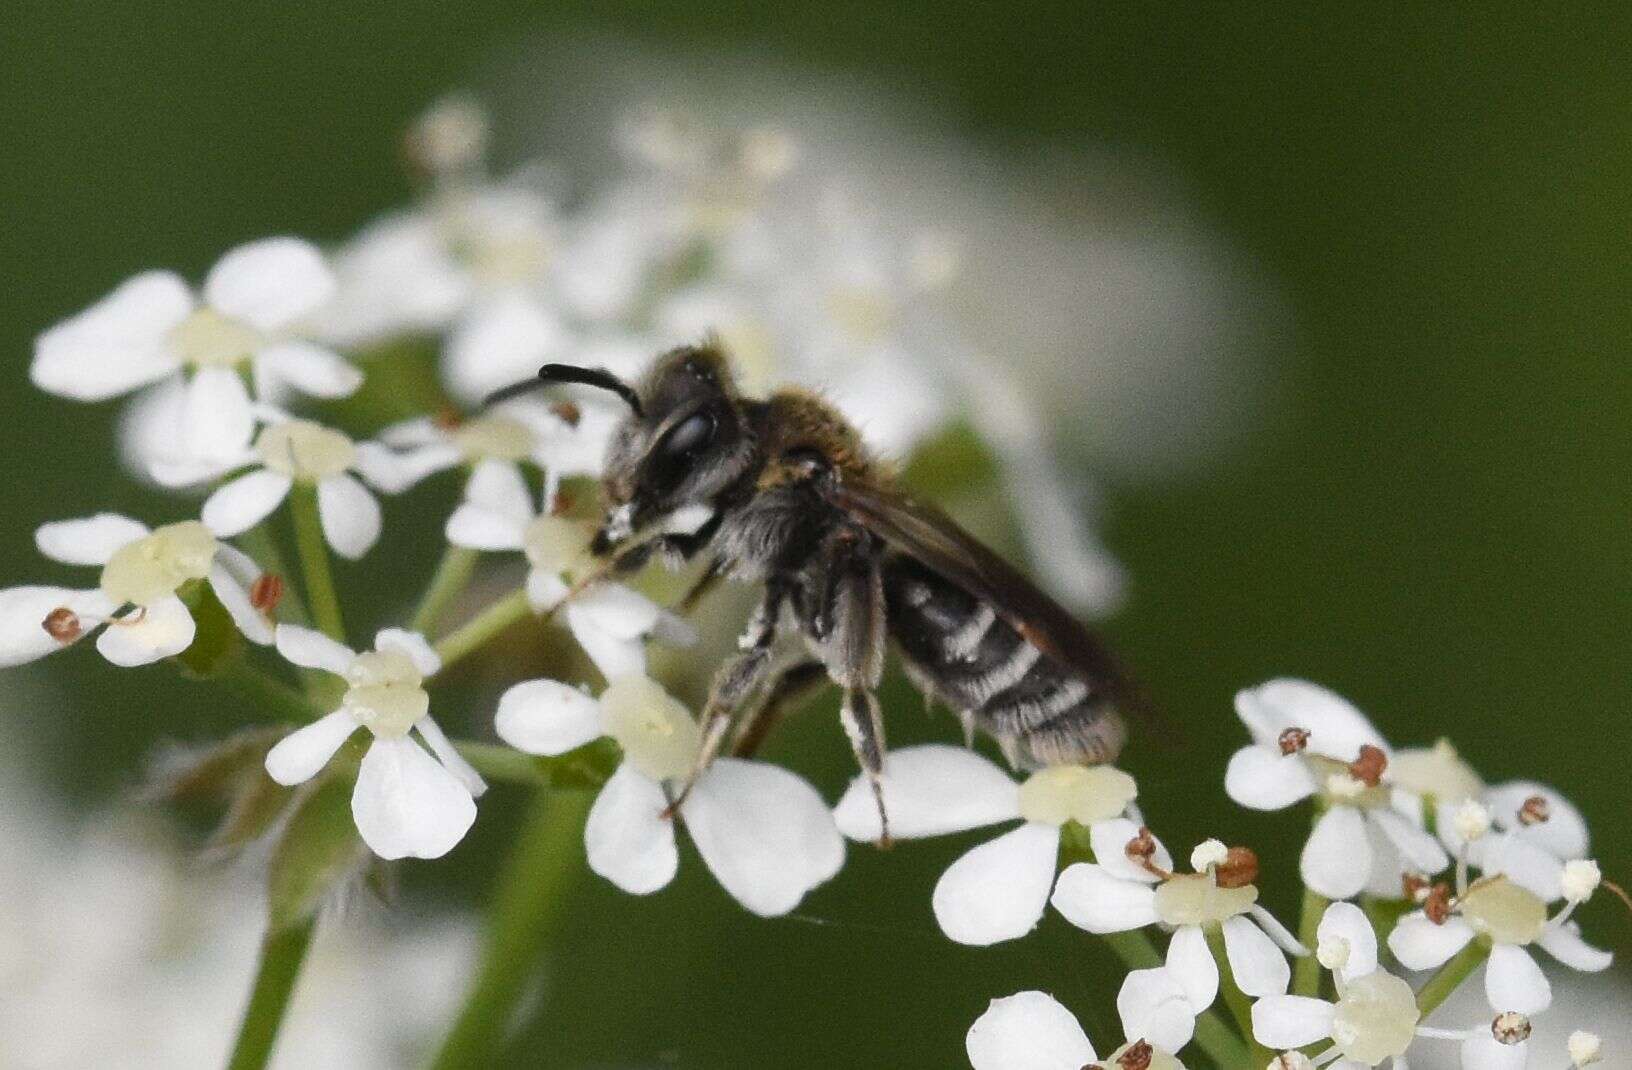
<point>449,756</point>
<point>1564,943</point>
<point>1336,861</point>
<point>1258,965</point>
<point>413,644</point>
<point>406,804</point>
<point>1283,1022</point>
<point>1265,779</point>
<point>1191,964</point>
<point>157,631</point>
<point>1564,833</point>
<point>1419,944</point>
<point>392,473</point>
<point>547,717</point>
<point>1153,1008</point>
<point>1513,981</point>
<point>311,369</point>
<point>231,594</point>
<point>23,610</point>
<point>1481,1051</point>
<point>614,655</point>
<point>237,506</point>
<point>1110,839</point>
<point>626,838</point>
<point>89,540</point>
<point>499,342</point>
<point>116,345</point>
<point>312,649</point>
<point>929,790</point>
<point>617,611</point>
<point>764,832</point>
<point>997,891</point>
<point>1091,898</point>
<point>545,590</point>
<point>298,757</point>
<point>270,283</point>
<point>1348,923</point>
<point>500,488</point>
<point>350,515</point>
<point>219,421</point>
<point>1027,1031</point>
<point>1525,861</point>
<point>1336,728</point>
<point>1421,852</point>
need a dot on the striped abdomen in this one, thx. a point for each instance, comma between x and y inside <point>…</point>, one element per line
<point>962,653</point>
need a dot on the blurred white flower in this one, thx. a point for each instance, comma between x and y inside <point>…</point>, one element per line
<point>1311,743</point>
<point>762,831</point>
<point>1032,1031</point>
<point>407,803</point>
<point>996,891</point>
<point>142,569</point>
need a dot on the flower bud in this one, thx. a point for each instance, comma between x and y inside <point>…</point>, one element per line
<point>1471,820</point>
<point>63,625</point>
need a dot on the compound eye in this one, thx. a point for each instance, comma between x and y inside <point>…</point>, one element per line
<point>690,436</point>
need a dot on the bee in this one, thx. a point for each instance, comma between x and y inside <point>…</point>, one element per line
<point>797,504</point>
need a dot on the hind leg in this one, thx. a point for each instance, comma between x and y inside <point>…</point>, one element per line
<point>785,691</point>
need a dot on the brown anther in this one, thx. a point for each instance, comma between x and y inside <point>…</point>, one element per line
<point>1137,1057</point>
<point>1142,848</point>
<point>62,624</point>
<point>562,505</point>
<point>1239,868</point>
<point>1414,887</point>
<point>266,592</point>
<point>447,418</point>
<point>1534,811</point>
<point>568,413</point>
<point>1368,768</point>
<point>1510,1028</point>
<point>1293,740</point>
<point>1436,905</point>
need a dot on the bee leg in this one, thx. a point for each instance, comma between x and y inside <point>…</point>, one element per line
<point>853,604</point>
<point>705,583</point>
<point>864,723</point>
<point>784,691</point>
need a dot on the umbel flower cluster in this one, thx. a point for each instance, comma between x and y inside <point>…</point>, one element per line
<point>256,397</point>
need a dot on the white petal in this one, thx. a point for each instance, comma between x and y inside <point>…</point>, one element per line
<point>1525,861</point>
<point>87,541</point>
<point>545,590</point>
<point>392,472</point>
<point>1191,964</point>
<point>250,621</point>
<point>218,420</point>
<point>476,527</point>
<point>1513,981</point>
<point>406,804</point>
<point>23,610</point>
<point>1336,861</point>
<point>500,488</point>
<point>1092,899</point>
<point>1283,937</point>
<point>1027,1031</point>
<point>1564,943</point>
<point>449,756</point>
<point>501,342</point>
<point>1109,840</point>
<point>1347,922</point>
<point>929,790</point>
<point>312,649</point>
<point>311,369</point>
<point>1283,1022</point>
<point>413,432</point>
<point>1265,779</point>
<point>270,283</point>
<point>1564,833</point>
<point>618,611</point>
<point>1420,850</point>
<point>626,838</point>
<point>765,833</point>
<point>613,656</point>
<point>547,717</point>
<point>1336,728</point>
<point>116,345</point>
<point>997,891</point>
<point>350,515</point>
<point>1419,944</point>
<point>413,644</point>
<point>237,506</point>
<point>163,629</point>
<point>1481,1051</point>
<point>1153,1008</point>
<point>1258,965</point>
<point>299,756</point>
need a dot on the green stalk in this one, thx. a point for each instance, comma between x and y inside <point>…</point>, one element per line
<point>1306,970</point>
<point>282,952</point>
<point>452,573</point>
<point>1239,1003</point>
<point>482,627</point>
<point>1451,975</point>
<point>267,691</point>
<point>526,907</point>
<point>314,561</point>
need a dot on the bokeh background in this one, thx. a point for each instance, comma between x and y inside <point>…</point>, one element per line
<point>1414,489</point>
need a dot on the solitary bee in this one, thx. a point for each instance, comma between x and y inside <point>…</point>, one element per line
<point>796,503</point>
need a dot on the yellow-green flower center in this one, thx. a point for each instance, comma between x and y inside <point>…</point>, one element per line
<point>1436,771</point>
<point>1376,1018</point>
<point>656,732</point>
<point>152,567</point>
<point>208,339</point>
<point>386,693</point>
<point>1339,785</point>
<point>497,438</point>
<point>1507,913</point>
<point>558,546</point>
<point>305,451</point>
<point>1196,899</point>
<point>1080,793</point>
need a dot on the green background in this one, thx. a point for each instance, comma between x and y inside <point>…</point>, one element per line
<point>1427,512</point>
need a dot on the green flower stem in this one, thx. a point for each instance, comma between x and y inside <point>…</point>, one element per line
<point>314,561</point>
<point>452,573</point>
<point>482,627</point>
<point>526,908</point>
<point>282,952</point>
<point>1239,1003</point>
<point>1451,975</point>
<point>1306,970</point>
<point>587,767</point>
<point>267,692</point>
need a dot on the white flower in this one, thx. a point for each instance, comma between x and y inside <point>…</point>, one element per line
<point>1032,1031</point>
<point>762,831</point>
<point>407,803</point>
<point>1309,742</point>
<point>1131,885</point>
<point>300,451</point>
<point>996,891</point>
<point>1511,918</point>
<point>1499,1043</point>
<point>142,570</point>
<point>154,329</point>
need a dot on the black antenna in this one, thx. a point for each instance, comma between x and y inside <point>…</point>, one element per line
<point>568,373</point>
